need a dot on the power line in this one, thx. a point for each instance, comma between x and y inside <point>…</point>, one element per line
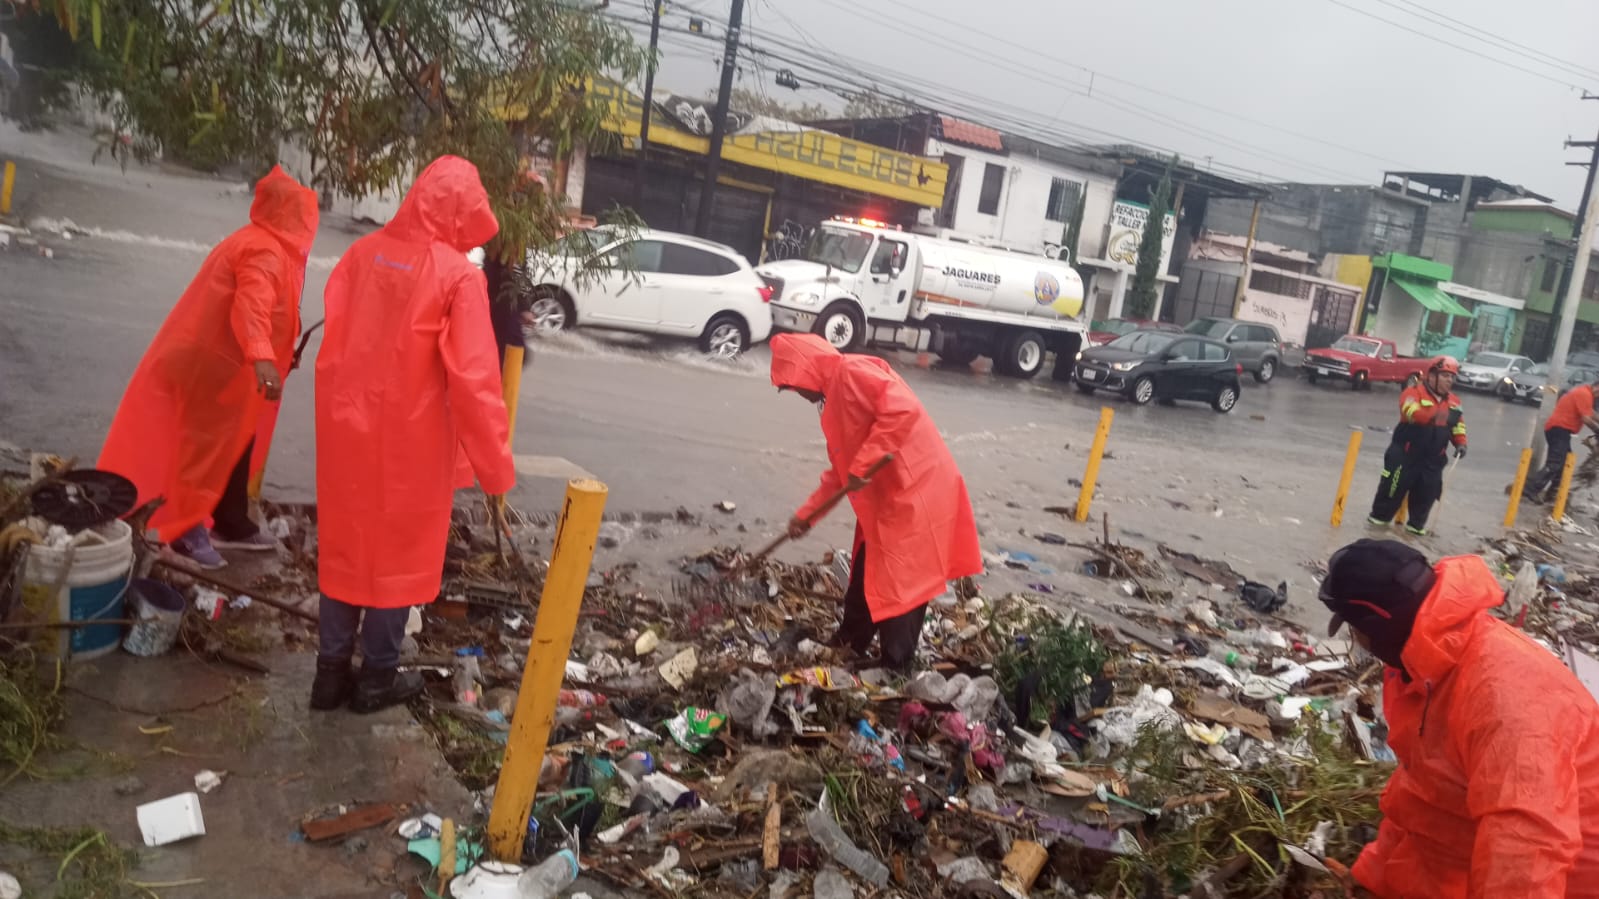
<point>1489,37</point>
<point>1438,40</point>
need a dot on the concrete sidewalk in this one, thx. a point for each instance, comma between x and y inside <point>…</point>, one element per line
<point>283,762</point>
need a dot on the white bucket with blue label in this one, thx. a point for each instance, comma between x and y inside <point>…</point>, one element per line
<point>86,580</point>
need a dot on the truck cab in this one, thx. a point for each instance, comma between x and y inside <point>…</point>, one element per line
<point>856,271</point>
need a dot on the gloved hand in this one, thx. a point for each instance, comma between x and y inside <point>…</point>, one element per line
<point>797,527</point>
<point>1460,451</point>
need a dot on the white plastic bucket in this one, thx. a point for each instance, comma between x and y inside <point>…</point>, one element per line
<point>82,582</point>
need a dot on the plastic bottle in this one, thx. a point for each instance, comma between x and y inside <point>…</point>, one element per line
<point>581,699</point>
<point>1232,658</point>
<point>548,878</point>
<point>467,676</point>
<point>828,835</point>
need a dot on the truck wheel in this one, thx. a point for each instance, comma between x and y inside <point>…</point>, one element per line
<point>841,325</point>
<point>1086,389</point>
<point>1311,376</point>
<point>1360,381</point>
<point>1023,356</point>
<point>1142,391</point>
<point>1268,370</point>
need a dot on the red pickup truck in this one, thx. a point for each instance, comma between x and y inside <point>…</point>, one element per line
<point>1362,360</point>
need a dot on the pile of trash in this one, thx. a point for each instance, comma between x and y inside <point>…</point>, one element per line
<point>1169,739</point>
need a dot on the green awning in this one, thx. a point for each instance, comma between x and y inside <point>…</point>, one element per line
<point>1433,298</point>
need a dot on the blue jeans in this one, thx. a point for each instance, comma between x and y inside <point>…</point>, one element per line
<point>382,632</point>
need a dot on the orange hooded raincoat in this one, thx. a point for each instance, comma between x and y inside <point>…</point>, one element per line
<point>193,403</point>
<point>1497,790</point>
<point>407,377</point>
<point>915,516</point>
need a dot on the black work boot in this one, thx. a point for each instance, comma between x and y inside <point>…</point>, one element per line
<point>381,688</point>
<point>334,684</point>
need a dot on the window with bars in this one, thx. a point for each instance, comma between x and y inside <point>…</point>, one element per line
<point>1063,199</point>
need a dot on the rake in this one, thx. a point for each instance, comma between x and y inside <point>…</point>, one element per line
<point>735,587</point>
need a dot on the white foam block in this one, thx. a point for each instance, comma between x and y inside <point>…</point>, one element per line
<point>171,819</point>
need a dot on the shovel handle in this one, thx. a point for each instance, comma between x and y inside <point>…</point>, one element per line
<point>822,510</point>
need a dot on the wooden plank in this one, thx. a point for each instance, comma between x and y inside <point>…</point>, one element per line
<point>363,818</point>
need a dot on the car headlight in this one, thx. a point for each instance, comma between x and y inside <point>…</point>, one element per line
<point>1507,381</point>
<point>805,299</point>
<point>1124,366</point>
<point>1079,355</point>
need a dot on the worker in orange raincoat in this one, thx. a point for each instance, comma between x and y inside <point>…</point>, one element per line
<point>914,528</point>
<point>185,426</point>
<point>1497,789</point>
<point>407,378</point>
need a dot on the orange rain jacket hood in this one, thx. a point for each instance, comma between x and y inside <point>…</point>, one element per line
<point>1497,790</point>
<point>915,515</point>
<point>193,403</point>
<point>407,377</point>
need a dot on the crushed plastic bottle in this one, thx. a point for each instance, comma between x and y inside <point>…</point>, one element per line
<point>548,878</point>
<point>828,835</point>
<point>468,674</point>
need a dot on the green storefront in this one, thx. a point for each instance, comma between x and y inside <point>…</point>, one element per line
<point>1406,304</point>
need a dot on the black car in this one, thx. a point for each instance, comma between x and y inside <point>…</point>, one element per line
<point>1148,365</point>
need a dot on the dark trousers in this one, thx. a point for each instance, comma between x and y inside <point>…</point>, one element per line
<point>382,631</point>
<point>898,635</point>
<point>231,518</point>
<point>1422,480</point>
<point>1559,441</point>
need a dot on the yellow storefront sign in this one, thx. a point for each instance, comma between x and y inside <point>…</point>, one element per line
<point>809,154</point>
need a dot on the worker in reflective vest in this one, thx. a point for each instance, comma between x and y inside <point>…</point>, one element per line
<point>1430,421</point>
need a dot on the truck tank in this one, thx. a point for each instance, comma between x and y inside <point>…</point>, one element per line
<point>967,275</point>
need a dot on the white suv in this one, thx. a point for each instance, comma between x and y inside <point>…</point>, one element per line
<point>658,282</point>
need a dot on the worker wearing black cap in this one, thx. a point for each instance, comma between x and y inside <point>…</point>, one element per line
<point>1497,789</point>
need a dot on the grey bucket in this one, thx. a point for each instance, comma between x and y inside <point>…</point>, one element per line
<point>157,613</point>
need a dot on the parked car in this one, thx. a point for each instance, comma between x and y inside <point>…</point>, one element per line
<point>656,282</point>
<point>1148,365</point>
<point>1362,361</point>
<point>1486,371</point>
<point>1103,332</point>
<point>1529,386</point>
<point>1255,346</point>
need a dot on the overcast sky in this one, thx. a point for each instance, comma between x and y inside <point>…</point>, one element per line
<point>1302,90</point>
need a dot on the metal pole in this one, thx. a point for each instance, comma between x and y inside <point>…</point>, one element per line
<point>724,93</point>
<point>546,666</point>
<point>644,116</point>
<point>1249,254</point>
<point>1576,274</point>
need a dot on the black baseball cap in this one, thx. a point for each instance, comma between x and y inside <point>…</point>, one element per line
<point>1376,586</point>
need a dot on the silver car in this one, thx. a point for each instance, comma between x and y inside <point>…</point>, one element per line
<point>1255,346</point>
<point>1487,371</point>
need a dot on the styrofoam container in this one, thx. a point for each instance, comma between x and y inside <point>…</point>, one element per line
<point>171,819</point>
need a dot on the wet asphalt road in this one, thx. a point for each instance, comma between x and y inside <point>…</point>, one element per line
<point>665,428</point>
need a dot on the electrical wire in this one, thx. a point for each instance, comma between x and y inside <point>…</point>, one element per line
<point>1438,40</point>
<point>1489,37</point>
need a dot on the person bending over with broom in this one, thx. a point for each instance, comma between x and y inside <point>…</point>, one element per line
<point>914,529</point>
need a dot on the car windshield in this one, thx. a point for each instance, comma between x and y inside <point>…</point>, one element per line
<point>582,242</point>
<point>1491,360</point>
<point>839,248</point>
<point>1538,371</point>
<point>1118,326</point>
<point>1356,345</point>
<point>1214,328</point>
<point>1146,342</point>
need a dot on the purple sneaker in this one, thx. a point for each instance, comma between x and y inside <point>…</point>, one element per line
<point>195,545</point>
<point>259,542</point>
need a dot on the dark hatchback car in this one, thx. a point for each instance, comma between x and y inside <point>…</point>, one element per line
<point>1149,365</point>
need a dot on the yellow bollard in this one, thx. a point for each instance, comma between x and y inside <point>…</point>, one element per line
<point>1515,488</point>
<point>546,667</point>
<point>511,389</point>
<point>1350,455</point>
<point>1565,486</point>
<point>1094,454</point>
<point>6,185</point>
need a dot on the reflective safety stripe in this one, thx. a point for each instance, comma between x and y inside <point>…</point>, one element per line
<point>1460,430</point>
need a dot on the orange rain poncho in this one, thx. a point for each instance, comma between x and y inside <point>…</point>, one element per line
<point>1497,790</point>
<point>193,403</point>
<point>915,516</point>
<point>408,376</point>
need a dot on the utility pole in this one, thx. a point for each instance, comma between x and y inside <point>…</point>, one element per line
<point>724,93</point>
<point>644,116</point>
<point>1249,256</point>
<point>1568,296</point>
